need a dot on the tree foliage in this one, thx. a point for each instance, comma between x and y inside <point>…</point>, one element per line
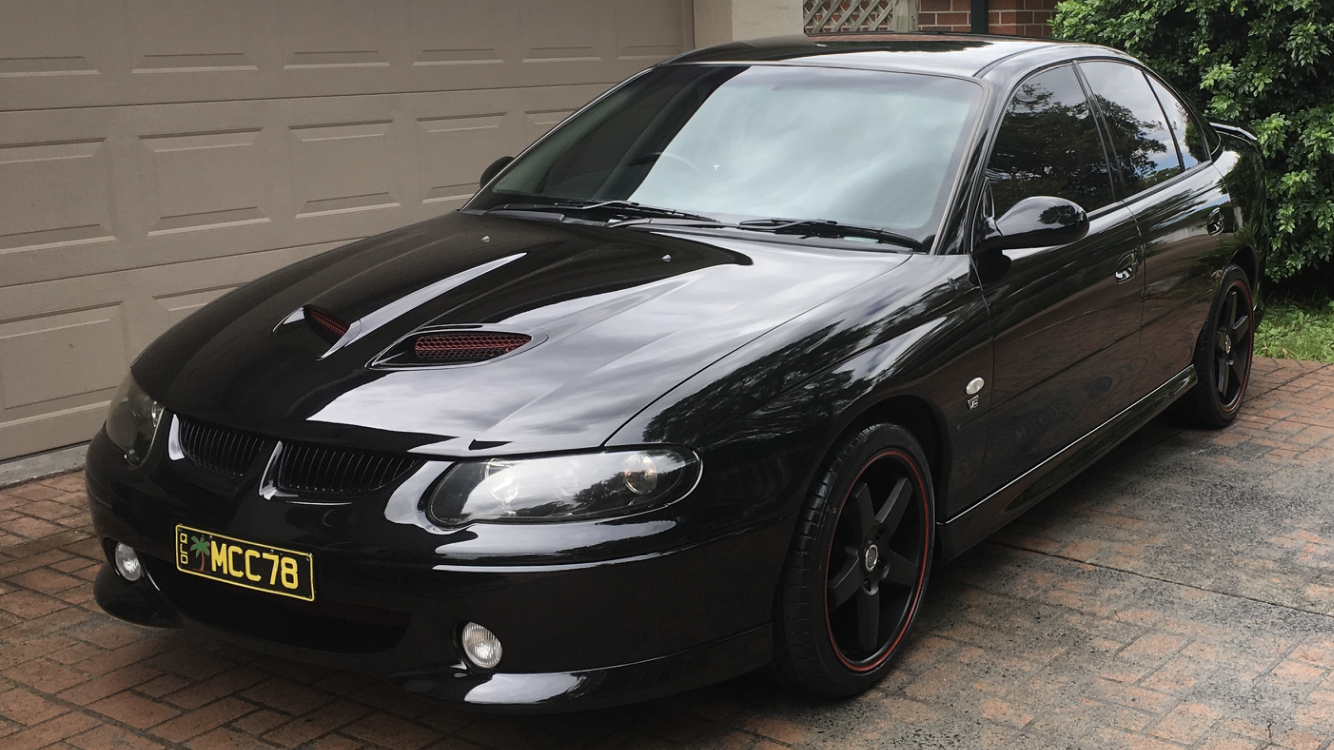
<point>1264,64</point>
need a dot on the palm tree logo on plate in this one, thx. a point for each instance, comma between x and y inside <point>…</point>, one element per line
<point>200,546</point>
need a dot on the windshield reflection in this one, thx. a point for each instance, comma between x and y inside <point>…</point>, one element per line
<point>865,148</point>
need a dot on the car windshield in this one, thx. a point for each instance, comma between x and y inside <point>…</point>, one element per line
<point>865,148</point>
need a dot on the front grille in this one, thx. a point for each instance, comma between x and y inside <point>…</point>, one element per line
<point>227,453</point>
<point>466,346</point>
<point>324,470</point>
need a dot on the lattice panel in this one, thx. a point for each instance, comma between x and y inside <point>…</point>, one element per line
<point>832,16</point>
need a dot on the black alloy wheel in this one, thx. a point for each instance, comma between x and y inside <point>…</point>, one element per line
<point>859,565</point>
<point>1232,347</point>
<point>1223,354</point>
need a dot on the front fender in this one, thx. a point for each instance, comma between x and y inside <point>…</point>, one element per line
<point>771,411</point>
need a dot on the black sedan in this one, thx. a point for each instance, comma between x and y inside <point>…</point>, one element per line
<point>708,378</point>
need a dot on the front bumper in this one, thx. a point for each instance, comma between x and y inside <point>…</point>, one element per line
<point>577,634</point>
<point>144,603</point>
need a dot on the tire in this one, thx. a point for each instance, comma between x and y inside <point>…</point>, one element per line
<point>844,611</point>
<point>1223,355</point>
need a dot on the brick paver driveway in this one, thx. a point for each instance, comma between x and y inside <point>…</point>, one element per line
<point>1177,595</point>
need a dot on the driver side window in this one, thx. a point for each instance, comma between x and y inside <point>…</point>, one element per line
<point>1048,144</point>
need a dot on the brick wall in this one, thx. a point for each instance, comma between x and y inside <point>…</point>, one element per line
<point>1022,17</point>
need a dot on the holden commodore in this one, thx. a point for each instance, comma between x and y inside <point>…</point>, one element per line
<point>706,379</point>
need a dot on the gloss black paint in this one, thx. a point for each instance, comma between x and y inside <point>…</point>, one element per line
<point>756,351</point>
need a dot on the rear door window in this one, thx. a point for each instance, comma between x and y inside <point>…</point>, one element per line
<point>1190,138</point>
<point>1048,144</point>
<point>1144,150</point>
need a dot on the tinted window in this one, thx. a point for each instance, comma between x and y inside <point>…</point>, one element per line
<point>1144,149</point>
<point>1190,139</point>
<point>859,147</point>
<point>1048,144</point>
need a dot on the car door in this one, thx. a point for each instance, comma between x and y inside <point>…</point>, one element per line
<point>1066,319</point>
<point>1161,159</point>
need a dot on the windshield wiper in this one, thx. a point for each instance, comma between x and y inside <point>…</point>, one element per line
<point>625,207</point>
<point>828,228</point>
<point>640,208</point>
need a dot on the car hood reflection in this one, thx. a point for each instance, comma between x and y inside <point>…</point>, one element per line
<point>626,315</point>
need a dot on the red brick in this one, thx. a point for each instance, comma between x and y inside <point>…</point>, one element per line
<point>133,654</point>
<point>1229,743</point>
<point>28,604</point>
<point>1291,671</point>
<point>201,720</point>
<point>45,675</point>
<point>1154,645</point>
<point>391,732</point>
<point>47,733</point>
<point>109,684</point>
<point>107,737</point>
<point>216,687</point>
<point>108,633</point>
<point>33,491</point>
<point>138,712</point>
<point>260,721</point>
<point>192,662</point>
<point>27,709</point>
<point>778,729</point>
<point>338,742</point>
<point>32,528</point>
<point>1131,696</point>
<point>1112,738</point>
<point>285,695</point>
<point>1319,652</point>
<point>223,738</point>
<point>1187,723</point>
<point>1005,712</point>
<point>322,721</point>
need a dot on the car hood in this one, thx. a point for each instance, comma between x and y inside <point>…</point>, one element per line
<point>621,316</point>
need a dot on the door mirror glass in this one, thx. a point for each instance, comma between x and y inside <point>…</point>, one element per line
<point>491,171</point>
<point>1040,221</point>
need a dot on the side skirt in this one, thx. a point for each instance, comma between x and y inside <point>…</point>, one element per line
<point>961,532</point>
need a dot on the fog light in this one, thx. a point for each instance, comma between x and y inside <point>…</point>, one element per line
<point>127,563</point>
<point>481,646</point>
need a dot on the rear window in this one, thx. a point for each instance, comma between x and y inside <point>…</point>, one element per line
<point>1145,152</point>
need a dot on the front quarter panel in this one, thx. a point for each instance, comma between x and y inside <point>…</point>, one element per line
<point>764,418</point>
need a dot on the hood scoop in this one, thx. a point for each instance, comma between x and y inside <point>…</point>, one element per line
<point>454,345</point>
<point>447,348</point>
<point>325,325</point>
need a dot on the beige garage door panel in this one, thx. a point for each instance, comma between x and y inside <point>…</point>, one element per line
<point>57,369</point>
<point>127,187</point>
<point>156,153</point>
<point>75,53</point>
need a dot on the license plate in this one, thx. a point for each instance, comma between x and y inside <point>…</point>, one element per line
<point>251,565</point>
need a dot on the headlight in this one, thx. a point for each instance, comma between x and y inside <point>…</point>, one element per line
<point>132,420</point>
<point>562,488</point>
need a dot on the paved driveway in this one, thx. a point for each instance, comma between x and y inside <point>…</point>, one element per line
<point>1180,594</point>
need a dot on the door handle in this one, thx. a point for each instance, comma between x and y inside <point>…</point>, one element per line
<point>1126,268</point>
<point>1215,223</point>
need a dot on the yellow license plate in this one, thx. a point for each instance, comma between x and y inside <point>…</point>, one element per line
<point>260,567</point>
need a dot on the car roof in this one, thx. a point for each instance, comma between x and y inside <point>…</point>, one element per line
<point>955,54</point>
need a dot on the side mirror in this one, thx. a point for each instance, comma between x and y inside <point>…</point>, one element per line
<point>491,171</point>
<point>1040,221</point>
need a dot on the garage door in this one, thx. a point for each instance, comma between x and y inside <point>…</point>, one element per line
<point>156,153</point>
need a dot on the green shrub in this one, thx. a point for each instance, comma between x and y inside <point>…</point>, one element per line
<point>1264,64</point>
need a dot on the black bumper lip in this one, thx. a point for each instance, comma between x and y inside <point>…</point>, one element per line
<point>144,603</point>
<point>551,692</point>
